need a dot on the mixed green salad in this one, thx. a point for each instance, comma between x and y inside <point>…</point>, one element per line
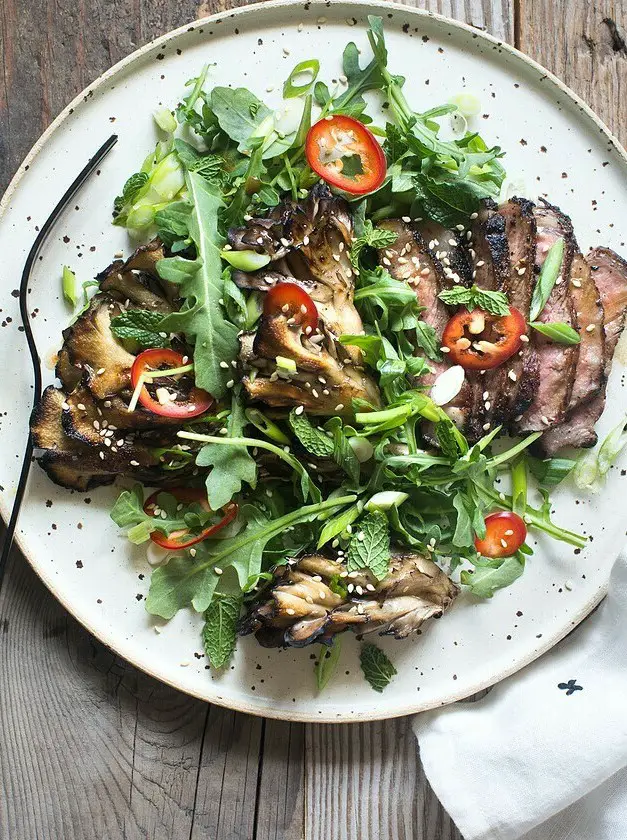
<point>251,485</point>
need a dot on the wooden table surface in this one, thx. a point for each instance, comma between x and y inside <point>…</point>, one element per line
<point>91,748</point>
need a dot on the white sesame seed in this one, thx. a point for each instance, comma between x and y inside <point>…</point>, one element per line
<point>590,328</point>
<point>290,611</point>
<point>512,376</point>
<point>134,463</point>
<point>568,585</point>
<point>286,51</point>
<point>576,284</point>
<point>445,350</point>
<point>474,216</point>
<point>299,409</point>
<point>545,420</point>
<point>524,338</point>
<point>102,456</point>
<point>370,587</point>
<point>509,533</point>
<point>322,20</point>
<point>486,426</point>
<point>230,383</point>
<point>480,263</point>
<point>504,543</point>
<point>487,405</point>
<point>350,587</point>
<point>360,609</point>
<point>218,570</point>
<point>485,395</point>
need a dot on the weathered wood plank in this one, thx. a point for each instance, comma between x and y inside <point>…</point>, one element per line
<point>365,781</point>
<point>584,44</point>
<point>90,746</point>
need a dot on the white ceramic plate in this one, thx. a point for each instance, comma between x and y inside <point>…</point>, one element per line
<point>553,142</point>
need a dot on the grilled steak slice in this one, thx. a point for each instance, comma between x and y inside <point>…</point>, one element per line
<point>448,247</point>
<point>589,373</point>
<point>556,362</point>
<point>411,260</point>
<point>506,243</point>
<point>609,272</point>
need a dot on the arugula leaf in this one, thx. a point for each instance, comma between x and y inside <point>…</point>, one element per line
<point>549,273</point>
<point>427,340</point>
<point>201,285</point>
<point>219,633</point>
<point>557,332</point>
<point>475,298</point>
<point>185,580</point>
<point>142,326</point>
<point>369,547</point>
<point>315,441</point>
<point>128,512</point>
<point>492,574</point>
<point>376,666</point>
<point>238,112</point>
<point>327,662</point>
<point>307,487</point>
<point>232,465</point>
<point>371,237</point>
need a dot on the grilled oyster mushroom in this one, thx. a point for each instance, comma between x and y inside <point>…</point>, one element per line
<point>81,453</point>
<point>309,245</point>
<point>325,382</point>
<point>305,604</point>
<point>138,281</point>
<point>91,352</point>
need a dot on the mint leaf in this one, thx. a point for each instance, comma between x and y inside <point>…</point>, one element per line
<point>327,662</point>
<point>142,326</point>
<point>369,547</point>
<point>232,465</point>
<point>376,666</point>
<point>475,298</point>
<point>220,630</point>
<point>314,440</point>
<point>371,237</point>
<point>201,285</point>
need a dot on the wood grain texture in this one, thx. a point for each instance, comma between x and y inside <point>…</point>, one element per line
<point>584,44</point>
<point>90,747</point>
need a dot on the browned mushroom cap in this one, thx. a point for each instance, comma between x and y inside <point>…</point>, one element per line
<point>311,601</point>
<point>91,352</point>
<point>309,244</point>
<point>326,381</point>
<point>316,257</point>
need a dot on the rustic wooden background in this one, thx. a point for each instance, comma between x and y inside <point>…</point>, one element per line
<point>90,748</point>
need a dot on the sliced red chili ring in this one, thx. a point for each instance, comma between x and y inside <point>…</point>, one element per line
<point>292,301</point>
<point>344,153</point>
<point>195,403</point>
<point>478,340</point>
<point>183,538</point>
<point>505,533</point>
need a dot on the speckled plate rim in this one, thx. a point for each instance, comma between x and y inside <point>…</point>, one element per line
<point>77,102</point>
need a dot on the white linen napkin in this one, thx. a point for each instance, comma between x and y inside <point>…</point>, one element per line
<point>544,755</point>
